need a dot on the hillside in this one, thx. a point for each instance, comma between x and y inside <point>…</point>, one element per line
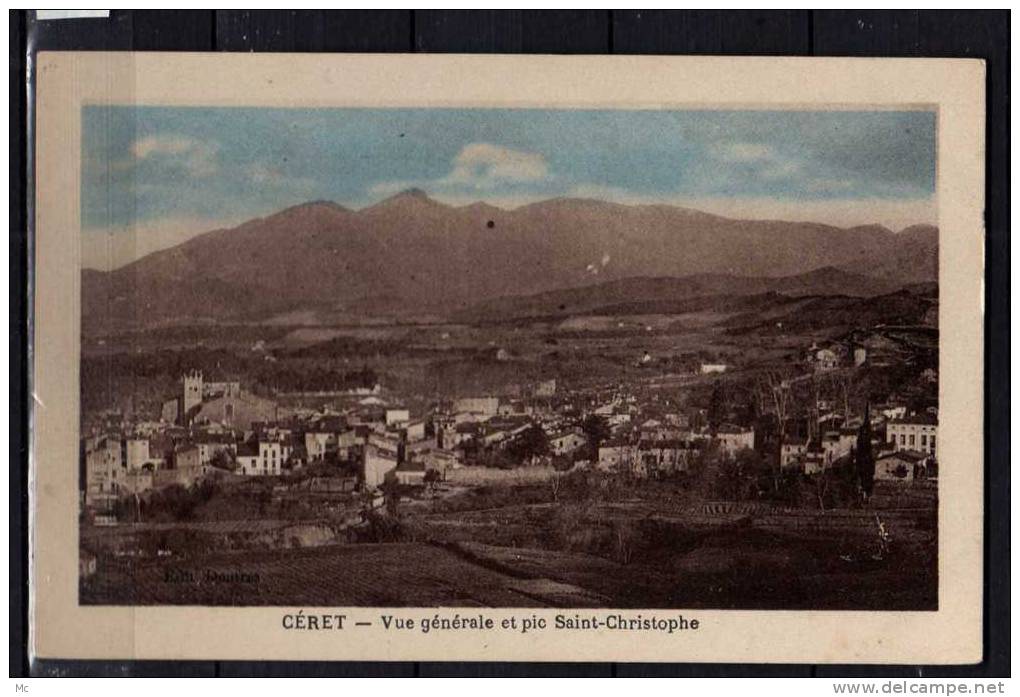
<point>901,307</point>
<point>677,295</point>
<point>914,257</point>
<point>410,254</point>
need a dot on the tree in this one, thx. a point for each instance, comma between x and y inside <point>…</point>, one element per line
<point>554,485</point>
<point>716,406</point>
<point>821,482</point>
<point>221,459</point>
<point>864,458</point>
<point>774,389</point>
<point>596,429</point>
<point>842,382</point>
<point>391,496</point>
<point>533,442</point>
<point>626,538</point>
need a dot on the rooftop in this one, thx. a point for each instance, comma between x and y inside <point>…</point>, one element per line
<point>918,420</point>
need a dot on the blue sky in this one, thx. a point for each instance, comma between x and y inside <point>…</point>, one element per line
<point>155,175</point>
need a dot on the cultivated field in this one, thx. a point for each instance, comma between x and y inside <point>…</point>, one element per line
<point>565,554</point>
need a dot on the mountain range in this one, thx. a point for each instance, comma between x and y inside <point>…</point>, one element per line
<point>410,254</point>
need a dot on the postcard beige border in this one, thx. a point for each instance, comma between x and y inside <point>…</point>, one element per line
<point>66,81</point>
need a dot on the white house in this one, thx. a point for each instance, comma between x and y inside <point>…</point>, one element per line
<point>271,457</point>
<point>792,451</point>
<point>826,359</point>
<point>136,452</point>
<point>380,459</point>
<point>105,470</point>
<point>485,406</point>
<point>415,430</point>
<point>734,438</point>
<point>915,432</point>
<point>615,456</point>
<point>395,417</point>
<point>566,442</point>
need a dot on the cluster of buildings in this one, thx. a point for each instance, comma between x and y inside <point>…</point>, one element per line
<point>666,446</point>
<point>904,445</point>
<point>904,442</point>
<point>908,449</point>
<point>207,427</point>
<point>220,429</point>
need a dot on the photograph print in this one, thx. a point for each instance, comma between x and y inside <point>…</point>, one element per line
<point>509,358</point>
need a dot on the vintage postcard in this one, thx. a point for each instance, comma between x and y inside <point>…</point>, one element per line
<point>507,358</point>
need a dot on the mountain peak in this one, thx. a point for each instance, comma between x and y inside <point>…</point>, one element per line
<point>318,207</point>
<point>413,192</point>
<point>408,197</point>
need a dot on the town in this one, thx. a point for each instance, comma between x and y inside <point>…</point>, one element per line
<point>683,440</point>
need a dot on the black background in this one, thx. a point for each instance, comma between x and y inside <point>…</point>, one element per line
<point>972,34</point>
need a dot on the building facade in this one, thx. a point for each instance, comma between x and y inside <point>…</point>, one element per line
<point>917,432</point>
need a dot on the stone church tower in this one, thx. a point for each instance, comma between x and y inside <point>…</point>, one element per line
<point>192,393</point>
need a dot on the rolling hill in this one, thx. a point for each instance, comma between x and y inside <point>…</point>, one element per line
<point>675,295</point>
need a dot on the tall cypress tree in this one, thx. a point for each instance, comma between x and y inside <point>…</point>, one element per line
<point>864,458</point>
<point>716,407</point>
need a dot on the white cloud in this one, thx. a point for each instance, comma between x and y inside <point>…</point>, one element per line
<point>389,188</point>
<point>478,167</point>
<point>763,160</point>
<point>484,164</point>
<point>196,157</point>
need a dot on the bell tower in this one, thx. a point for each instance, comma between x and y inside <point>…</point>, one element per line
<point>192,393</point>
